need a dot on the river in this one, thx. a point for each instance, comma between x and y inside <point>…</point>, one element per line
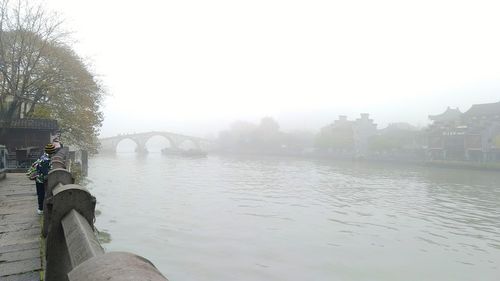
<point>264,218</point>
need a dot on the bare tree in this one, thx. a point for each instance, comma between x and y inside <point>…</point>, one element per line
<point>27,33</point>
<point>41,76</point>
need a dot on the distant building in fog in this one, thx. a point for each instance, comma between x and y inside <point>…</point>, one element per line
<point>444,139</point>
<point>471,136</point>
<point>363,129</point>
<point>448,117</point>
<point>348,138</point>
<point>398,126</point>
<point>399,141</point>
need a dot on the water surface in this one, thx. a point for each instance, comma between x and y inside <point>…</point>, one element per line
<point>264,218</point>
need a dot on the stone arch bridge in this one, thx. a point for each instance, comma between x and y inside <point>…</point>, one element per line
<point>110,144</point>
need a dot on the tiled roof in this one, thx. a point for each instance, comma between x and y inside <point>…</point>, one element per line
<point>448,115</point>
<point>484,109</point>
<point>39,124</point>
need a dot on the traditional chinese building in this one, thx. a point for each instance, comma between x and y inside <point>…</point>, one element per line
<point>445,137</point>
<point>470,136</point>
<point>25,138</point>
<point>482,138</point>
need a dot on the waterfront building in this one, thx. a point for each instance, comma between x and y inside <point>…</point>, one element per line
<point>363,130</point>
<point>398,141</point>
<point>348,138</point>
<point>482,138</point>
<point>450,117</point>
<point>470,136</point>
<point>445,136</point>
<point>337,138</point>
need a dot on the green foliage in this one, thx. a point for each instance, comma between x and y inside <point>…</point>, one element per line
<point>335,138</point>
<point>496,141</point>
<point>76,102</point>
<point>384,143</point>
<point>393,140</point>
<point>76,172</point>
<point>103,236</point>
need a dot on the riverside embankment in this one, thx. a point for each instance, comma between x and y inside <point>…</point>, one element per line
<point>68,248</point>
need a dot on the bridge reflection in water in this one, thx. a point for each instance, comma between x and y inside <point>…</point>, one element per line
<point>109,145</point>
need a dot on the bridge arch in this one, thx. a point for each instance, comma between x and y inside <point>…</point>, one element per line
<point>160,141</point>
<point>141,139</point>
<point>125,141</point>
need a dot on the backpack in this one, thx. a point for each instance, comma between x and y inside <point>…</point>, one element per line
<point>32,172</point>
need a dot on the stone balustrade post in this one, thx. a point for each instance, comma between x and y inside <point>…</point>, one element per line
<point>55,177</point>
<point>65,199</point>
<point>73,252</point>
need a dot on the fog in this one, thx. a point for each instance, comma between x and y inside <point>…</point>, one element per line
<point>293,139</point>
<point>194,67</point>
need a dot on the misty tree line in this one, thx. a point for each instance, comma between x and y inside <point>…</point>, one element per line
<point>41,76</point>
<point>266,137</point>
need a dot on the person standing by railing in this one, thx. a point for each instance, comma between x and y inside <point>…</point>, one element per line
<point>42,169</point>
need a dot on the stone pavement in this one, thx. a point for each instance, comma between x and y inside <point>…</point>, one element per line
<point>19,230</point>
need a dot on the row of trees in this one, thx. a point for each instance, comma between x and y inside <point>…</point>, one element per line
<point>397,136</point>
<point>266,137</point>
<point>42,77</point>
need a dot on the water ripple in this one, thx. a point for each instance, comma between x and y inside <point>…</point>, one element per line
<point>271,218</point>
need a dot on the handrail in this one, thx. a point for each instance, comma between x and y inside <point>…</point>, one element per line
<point>3,161</point>
<point>73,252</point>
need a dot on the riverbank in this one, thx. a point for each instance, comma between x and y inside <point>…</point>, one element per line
<point>484,166</point>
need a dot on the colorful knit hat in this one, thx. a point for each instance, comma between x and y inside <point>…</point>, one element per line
<point>50,149</point>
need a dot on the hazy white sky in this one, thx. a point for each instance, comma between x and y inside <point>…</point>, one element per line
<point>196,66</point>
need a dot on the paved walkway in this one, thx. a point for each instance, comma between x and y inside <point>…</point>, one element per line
<point>19,230</point>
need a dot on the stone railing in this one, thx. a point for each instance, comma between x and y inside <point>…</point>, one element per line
<point>3,161</point>
<point>73,252</point>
